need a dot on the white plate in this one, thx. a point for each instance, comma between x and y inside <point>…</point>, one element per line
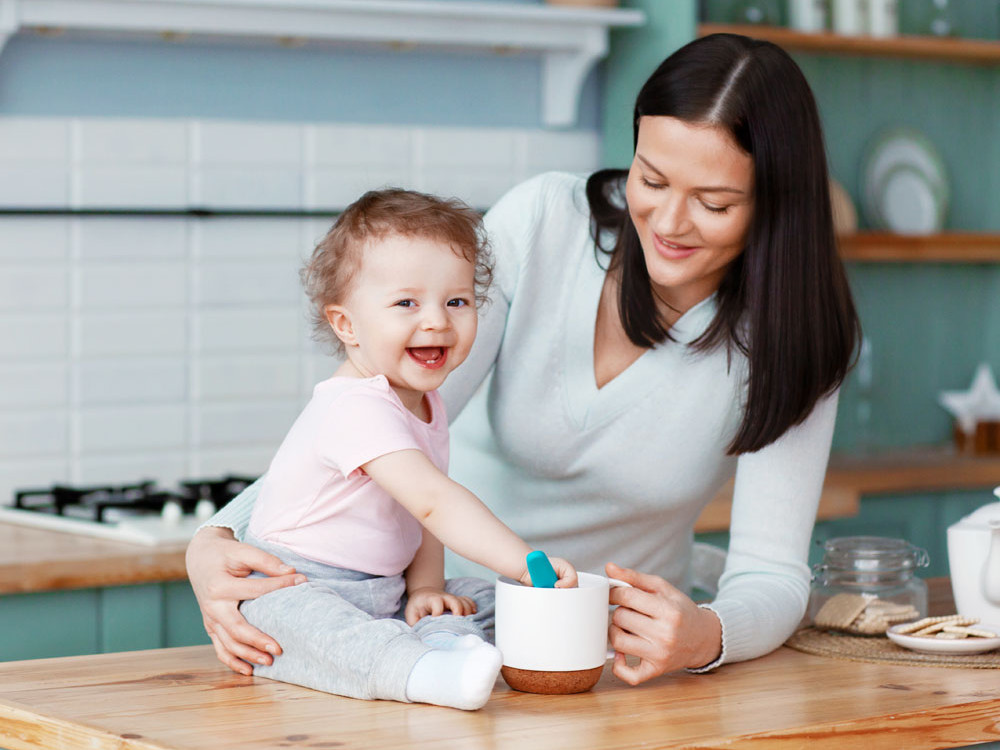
<point>904,149</point>
<point>944,646</point>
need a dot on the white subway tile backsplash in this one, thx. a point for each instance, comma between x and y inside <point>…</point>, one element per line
<point>245,460</point>
<point>43,384</point>
<point>361,145</point>
<point>41,433</point>
<point>247,329</point>
<point>335,189</point>
<point>37,140</point>
<point>466,147</point>
<point>263,422</point>
<point>247,143</point>
<point>33,336</point>
<point>118,286</point>
<point>35,186</point>
<point>131,238</point>
<point>126,140</point>
<point>165,467</point>
<point>247,188</point>
<point>163,187</point>
<point>244,378</point>
<point>34,287</point>
<point>30,473</point>
<point>563,152</point>
<point>31,238</point>
<point>124,381</point>
<point>167,347</point>
<point>132,429</point>
<point>136,333</point>
<point>249,238</point>
<point>248,282</point>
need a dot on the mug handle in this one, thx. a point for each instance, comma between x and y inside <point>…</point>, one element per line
<point>615,583</point>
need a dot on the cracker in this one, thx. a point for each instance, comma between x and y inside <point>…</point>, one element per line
<point>930,622</point>
<point>949,636</point>
<point>840,611</point>
<point>967,631</point>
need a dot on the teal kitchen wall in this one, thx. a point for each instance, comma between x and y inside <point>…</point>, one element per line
<point>929,324</point>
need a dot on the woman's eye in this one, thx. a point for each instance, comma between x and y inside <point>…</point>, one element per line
<point>458,302</point>
<point>715,209</point>
<point>652,185</point>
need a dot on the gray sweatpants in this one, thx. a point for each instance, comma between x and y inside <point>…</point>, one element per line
<point>343,631</point>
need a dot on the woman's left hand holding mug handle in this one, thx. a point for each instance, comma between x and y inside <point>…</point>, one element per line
<point>659,625</point>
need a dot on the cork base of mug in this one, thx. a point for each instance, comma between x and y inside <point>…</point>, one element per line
<point>551,683</point>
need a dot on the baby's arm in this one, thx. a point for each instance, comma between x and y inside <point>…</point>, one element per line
<point>456,516</point>
<point>425,585</point>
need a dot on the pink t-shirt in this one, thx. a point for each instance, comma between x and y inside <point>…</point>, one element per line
<point>316,501</point>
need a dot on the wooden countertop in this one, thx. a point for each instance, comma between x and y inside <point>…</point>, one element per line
<point>183,699</point>
<point>40,560</point>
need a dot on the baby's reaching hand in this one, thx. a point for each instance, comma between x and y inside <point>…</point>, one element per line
<point>565,572</point>
<point>430,601</point>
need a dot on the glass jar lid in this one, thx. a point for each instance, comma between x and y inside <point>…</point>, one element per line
<point>876,554</point>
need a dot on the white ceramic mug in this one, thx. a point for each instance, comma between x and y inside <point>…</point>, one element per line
<point>554,630</point>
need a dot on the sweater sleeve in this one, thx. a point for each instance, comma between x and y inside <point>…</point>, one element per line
<point>764,590</point>
<point>510,225</point>
<point>235,514</point>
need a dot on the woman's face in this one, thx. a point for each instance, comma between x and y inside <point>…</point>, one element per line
<point>690,196</point>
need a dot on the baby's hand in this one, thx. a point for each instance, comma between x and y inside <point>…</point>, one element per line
<point>566,573</point>
<point>434,602</point>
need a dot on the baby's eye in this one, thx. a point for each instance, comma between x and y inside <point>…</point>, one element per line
<point>405,303</point>
<point>458,302</point>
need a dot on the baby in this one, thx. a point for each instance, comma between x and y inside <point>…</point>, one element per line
<point>357,496</point>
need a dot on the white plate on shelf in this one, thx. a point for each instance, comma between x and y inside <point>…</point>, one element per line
<point>945,646</point>
<point>904,184</point>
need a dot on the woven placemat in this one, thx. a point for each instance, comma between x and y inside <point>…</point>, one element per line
<point>881,649</point>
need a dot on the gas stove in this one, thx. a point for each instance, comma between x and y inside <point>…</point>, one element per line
<point>141,513</point>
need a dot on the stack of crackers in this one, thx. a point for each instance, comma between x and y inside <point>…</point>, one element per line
<point>951,627</point>
<point>862,614</point>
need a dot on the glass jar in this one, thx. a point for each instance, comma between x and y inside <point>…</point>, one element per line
<point>875,582</point>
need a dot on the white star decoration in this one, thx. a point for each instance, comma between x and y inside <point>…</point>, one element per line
<point>981,403</point>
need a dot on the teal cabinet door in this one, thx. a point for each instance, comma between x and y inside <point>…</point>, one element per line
<point>92,621</point>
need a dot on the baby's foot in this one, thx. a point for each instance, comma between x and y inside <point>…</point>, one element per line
<point>459,678</point>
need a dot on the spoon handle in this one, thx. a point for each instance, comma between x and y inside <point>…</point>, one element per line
<point>543,576</point>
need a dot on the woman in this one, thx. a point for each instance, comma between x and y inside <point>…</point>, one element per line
<point>636,358</point>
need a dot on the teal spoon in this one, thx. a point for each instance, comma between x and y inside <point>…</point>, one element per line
<point>543,576</point>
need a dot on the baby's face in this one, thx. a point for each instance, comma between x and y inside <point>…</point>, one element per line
<point>412,312</point>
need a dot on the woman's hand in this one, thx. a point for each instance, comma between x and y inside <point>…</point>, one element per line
<point>218,566</point>
<point>660,626</point>
<point>432,601</point>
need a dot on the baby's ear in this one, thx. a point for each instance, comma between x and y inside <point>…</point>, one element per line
<point>340,321</point>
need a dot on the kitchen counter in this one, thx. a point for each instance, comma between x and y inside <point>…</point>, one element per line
<point>40,560</point>
<point>183,699</point>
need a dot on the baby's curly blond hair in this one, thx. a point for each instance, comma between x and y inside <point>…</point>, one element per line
<point>378,214</point>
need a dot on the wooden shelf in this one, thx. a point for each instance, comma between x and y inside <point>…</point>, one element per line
<point>849,476</point>
<point>974,51</point>
<point>948,247</point>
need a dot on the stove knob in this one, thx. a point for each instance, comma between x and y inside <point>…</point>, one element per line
<point>204,510</point>
<point>171,513</point>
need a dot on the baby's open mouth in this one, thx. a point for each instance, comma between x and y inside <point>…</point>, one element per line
<point>428,356</point>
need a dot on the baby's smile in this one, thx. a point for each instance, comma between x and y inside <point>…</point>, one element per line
<point>431,357</point>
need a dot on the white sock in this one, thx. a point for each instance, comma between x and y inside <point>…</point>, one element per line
<point>446,640</point>
<point>462,678</point>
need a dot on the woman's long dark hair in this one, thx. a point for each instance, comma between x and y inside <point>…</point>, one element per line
<point>785,301</point>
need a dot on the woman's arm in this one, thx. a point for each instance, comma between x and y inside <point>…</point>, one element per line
<point>219,567</point>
